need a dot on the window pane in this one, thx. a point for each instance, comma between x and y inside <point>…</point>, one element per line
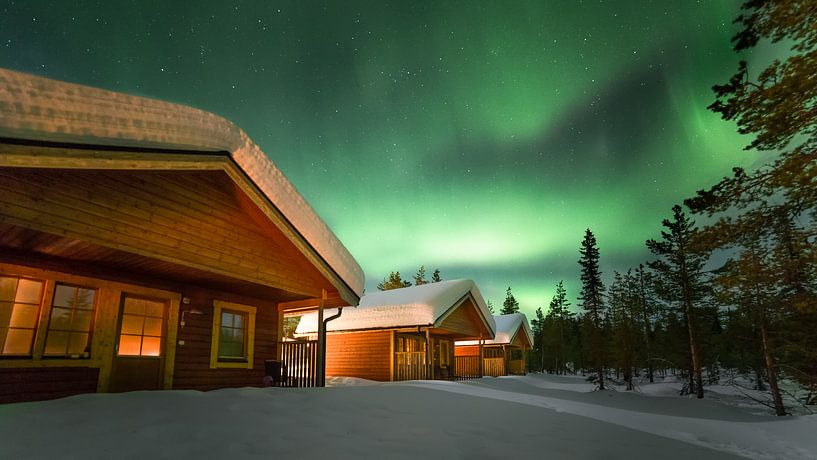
<point>56,343</point>
<point>153,326</point>
<point>85,298</point>
<point>238,321</point>
<point>227,319</point>
<point>29,291</point>
<point>64,296</point>
<point>226,334</point>
<point>231,350</point>
<point>134,306</point>
<point>129,345</point>
<point>156,309</point>
<point>151,346</point>
<point>77,343</point>
<point>7,286</point>
<point>18,342</point>
<point>82,321</point>
<point>23,315</point>
<point>132,324</point>
<point>60,319</point>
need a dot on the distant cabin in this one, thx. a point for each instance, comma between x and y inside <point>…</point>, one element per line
<point>404,334</point>
<point>147,245</point>
<point>507,352</point>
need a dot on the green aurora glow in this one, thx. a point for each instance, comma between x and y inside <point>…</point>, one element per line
<point>481,138</point>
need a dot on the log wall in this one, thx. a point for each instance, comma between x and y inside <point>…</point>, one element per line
<point>192,367</point>
<point>364,355</point>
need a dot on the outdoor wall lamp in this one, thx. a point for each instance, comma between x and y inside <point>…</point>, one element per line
<point>192,311</point>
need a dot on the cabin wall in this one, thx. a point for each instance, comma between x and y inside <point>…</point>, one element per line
<point>192,365</point>
<point>36,384</point>
<point>186,349</point>
<point>365,355</point>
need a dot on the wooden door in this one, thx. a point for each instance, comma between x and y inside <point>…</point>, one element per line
<point>139,359</point>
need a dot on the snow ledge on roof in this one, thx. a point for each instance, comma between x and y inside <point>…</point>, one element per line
<point>36,108</point>
<point>424,305</point>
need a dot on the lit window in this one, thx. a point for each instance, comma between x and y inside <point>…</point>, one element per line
<point>20,301</point>
<point>69,328</point>
<point>233,335</point>
<point>140,333</point>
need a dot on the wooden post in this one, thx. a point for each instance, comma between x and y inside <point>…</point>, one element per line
<point>429,356</point>
<point>321,364</point>
<point>505,359</point>
<point>481,358</point>
<point>391,356</point>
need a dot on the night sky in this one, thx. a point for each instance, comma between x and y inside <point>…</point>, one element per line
<point>480,138</point>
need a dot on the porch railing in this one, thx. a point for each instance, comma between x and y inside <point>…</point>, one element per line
<point>410,365</point>
<point>300,362</point>
<point>494,367</point>
<point>467,367</point>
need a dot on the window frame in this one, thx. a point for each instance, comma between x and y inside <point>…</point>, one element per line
<point>37,330</point>
<point>50,313</point>
<point>249,345</point>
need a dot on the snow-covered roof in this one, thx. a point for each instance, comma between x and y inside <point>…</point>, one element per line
<point>424,305</point>
<point>36,108</point>
<point>507,328</point>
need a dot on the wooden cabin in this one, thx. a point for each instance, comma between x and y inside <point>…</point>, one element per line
<point>506,353</point>
<point>146,245</point>
<point>404,334</point>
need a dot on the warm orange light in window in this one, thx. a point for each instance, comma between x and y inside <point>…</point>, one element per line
<point>129,345</point>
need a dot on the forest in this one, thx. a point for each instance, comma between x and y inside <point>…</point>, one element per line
<point>730,285</point>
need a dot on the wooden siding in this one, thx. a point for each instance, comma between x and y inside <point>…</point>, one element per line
<point>364,355</point>
<point>192,366</point>
<point>464,321</point>
<point>521,339</point>
<point>36,384</point>
<point>196,219</point>
<point>466,350</point>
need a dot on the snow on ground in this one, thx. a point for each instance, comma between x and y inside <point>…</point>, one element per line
<point>525,417</point>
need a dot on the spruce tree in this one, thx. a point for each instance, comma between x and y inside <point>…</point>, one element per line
<point>393,281</point>
<point>490,306</point>
<point>420,276</point>
<point>537,327</point>
<point>435,277</point>
<point>560,316</point>
<point>591,300</point>
<point>510,305</point>
<point>681,268</point>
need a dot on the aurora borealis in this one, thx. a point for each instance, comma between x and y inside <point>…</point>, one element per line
<point>480,138</point>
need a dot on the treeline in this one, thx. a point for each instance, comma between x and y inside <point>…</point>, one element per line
<point>738,292</point>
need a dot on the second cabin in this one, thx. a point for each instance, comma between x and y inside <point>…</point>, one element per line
<point>506,353</point>
<point>403,334</point>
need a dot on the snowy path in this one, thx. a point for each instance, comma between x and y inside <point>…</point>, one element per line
<point>791,437</point>
<point>484,419</point>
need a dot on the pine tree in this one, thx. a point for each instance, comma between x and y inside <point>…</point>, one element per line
<point>647,308</point>
<point>537,327</point>
<point>393,281</point>
<point>510,305</point>
<point>560,315</point>
<point>680,267</point>
<point>490,306</point>
<point>591,300</point>
<point>775,106</point>
<point>435,277</point>
<point>420,276</point>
